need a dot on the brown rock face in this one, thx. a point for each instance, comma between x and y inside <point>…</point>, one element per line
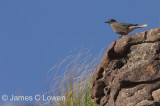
<point>129,72</point>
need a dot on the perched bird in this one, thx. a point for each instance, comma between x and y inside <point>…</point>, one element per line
<point>123,28</point>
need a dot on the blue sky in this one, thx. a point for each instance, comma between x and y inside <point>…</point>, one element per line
<point>36,34</point>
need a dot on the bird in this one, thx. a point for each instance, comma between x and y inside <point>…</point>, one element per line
<point>123,28</point>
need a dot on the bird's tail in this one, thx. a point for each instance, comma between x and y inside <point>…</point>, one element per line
<point>138,26</point>
<point>142,26</point>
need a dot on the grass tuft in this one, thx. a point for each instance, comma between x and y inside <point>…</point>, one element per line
<point>72,79</point>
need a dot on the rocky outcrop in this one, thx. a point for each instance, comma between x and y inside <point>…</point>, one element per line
<point>129,72</point>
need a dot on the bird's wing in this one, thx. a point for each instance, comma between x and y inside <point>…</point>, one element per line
<point>123,24</point>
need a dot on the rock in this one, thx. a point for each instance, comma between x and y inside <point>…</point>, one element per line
<point>129,72</point>
<point>156,95</point>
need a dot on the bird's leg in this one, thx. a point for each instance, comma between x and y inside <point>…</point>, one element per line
<point>120,36</point>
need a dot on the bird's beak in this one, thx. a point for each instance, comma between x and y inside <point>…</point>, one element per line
<point>106,22</point>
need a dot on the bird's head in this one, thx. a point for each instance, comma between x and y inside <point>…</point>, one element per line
<point>110,21</point>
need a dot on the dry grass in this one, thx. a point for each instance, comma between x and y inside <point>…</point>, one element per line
<point>72,78</point>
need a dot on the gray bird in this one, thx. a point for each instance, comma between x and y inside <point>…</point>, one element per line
<point>123,28</point>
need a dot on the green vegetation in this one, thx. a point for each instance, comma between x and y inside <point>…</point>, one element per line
<point>72,78</point>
